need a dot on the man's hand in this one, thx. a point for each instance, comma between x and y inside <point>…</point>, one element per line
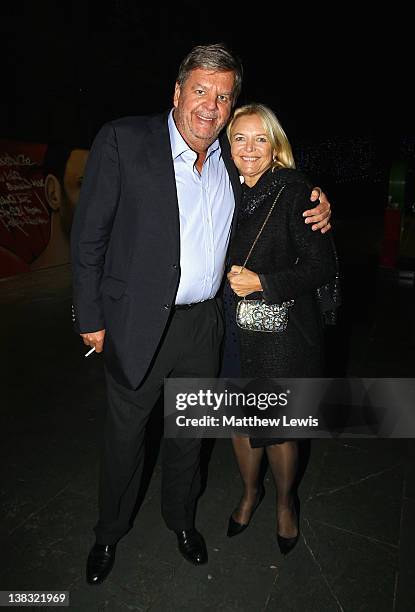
<point>94,339</point>
<point>245,282</point>
<point>320,215</point>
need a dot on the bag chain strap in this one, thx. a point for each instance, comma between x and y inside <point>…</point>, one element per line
<point>262,229</point>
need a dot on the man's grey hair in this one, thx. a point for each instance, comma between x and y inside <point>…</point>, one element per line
<point>212,57</point>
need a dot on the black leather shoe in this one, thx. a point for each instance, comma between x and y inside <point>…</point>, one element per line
<point>287,544</point>
<point>192,546</point>
<point>235,528</point>
<point>100,561</point>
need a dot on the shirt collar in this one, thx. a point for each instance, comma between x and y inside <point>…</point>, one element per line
<point>179,145</point>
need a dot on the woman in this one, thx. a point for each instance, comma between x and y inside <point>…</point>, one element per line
<point>289,261</point>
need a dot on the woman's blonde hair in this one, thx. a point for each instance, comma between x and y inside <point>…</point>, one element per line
<point>278,139</point>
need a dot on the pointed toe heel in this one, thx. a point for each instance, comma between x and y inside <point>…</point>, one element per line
<point>235,528</point>
<point>286,545</point>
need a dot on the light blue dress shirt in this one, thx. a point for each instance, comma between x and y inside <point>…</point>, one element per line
<point>206,206</point>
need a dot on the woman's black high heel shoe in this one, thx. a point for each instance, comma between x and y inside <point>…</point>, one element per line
<point>287,544</point>
<point>235,528</point>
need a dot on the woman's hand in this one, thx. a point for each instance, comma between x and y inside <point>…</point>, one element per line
<point>245,282</point>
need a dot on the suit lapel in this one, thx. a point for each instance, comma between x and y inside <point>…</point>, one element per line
<point>233,175</point>
<point>162,172</point>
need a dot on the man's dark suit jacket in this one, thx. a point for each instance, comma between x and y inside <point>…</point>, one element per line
<point>125,242</point>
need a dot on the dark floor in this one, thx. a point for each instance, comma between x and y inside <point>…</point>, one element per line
<point>358,496</point>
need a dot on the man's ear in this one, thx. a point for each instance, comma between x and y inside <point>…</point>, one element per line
<point>176,95</point>
<point>53,192</point>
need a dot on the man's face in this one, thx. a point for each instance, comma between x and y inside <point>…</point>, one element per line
<point>203,105</point>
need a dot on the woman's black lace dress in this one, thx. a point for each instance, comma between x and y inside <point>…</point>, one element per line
<point>292,260</point>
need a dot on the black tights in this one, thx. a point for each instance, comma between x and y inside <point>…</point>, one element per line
<point>283,460</point>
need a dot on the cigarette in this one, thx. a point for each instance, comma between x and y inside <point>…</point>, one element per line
<point>90,352</point>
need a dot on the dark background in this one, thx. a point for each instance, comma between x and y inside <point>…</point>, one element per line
<point>70,66</point>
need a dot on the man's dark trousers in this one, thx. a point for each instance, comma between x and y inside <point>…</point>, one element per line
<point>190,348</point>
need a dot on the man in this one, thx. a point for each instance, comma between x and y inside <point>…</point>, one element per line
<point>149,242</point>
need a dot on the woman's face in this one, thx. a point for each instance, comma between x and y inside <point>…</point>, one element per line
<point>250,147</point>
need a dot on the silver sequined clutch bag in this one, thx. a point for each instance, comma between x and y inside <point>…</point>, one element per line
<point>256,315</point>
